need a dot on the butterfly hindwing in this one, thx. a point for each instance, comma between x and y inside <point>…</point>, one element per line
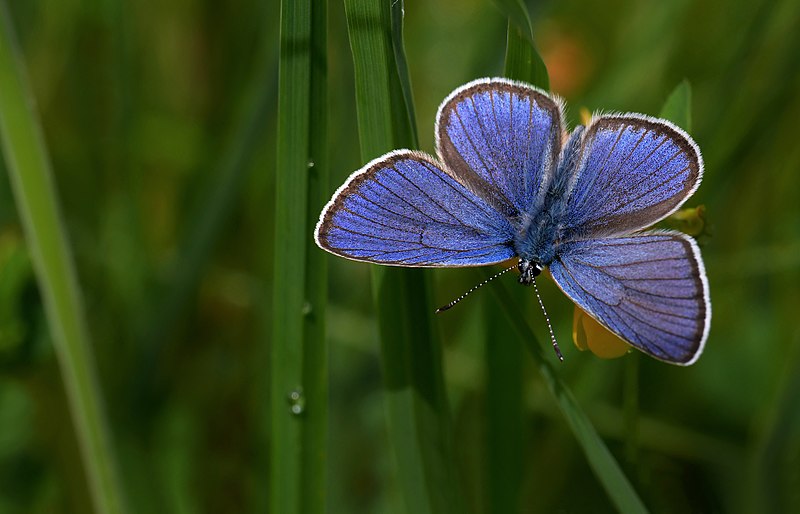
<point>633,171</point>
<point>649,288</point>
<point>404,210</point>
<point>501,139</point>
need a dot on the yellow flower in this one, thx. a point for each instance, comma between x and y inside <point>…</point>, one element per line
<point>588,334</point>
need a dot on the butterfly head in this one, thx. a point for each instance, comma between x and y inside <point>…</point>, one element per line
<point>528,270</point>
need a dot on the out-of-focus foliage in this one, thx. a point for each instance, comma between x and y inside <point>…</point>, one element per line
<point>146,108</point>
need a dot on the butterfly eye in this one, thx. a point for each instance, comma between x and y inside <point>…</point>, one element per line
<point>528,270</point>
<point>590,335</point>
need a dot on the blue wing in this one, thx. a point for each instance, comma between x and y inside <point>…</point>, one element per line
<point>632,171</point>
<point>403,209</point>
<point>501,139</point>
<point>650,289</point>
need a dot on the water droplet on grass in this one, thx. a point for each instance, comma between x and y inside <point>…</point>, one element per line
<point>297,402</point>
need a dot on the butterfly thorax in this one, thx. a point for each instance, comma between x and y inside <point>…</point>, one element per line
<point>536,244</point>
<point>537,240</point>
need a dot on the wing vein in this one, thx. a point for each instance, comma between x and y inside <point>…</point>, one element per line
<point>489,217</point>
<point>589,186</point>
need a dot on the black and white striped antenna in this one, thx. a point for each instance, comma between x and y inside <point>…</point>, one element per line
<point>538,297</point>
<point>547,319</point>
<point>451,304</point>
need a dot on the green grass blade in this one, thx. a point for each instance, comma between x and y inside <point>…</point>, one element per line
<point>523,62</point>
<point>505,447</point>
<point>630,407</point>
<point>517,13</point>
<point>299,395</point>
<point>208,221</point>
<point>602,462</point>
<point>315,363</point>
<point>404,82</point>
<point>29,168</point>
<point>417,413</point>
<point>678,106</point>
<point>381,92</point>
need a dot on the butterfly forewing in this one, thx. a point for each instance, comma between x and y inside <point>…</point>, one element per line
<point>632,172</point>
<point>502,140</point>
<point>403,209</point>
<point>650,289</point>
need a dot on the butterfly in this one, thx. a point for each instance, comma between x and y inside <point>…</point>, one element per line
<point>508,182</point>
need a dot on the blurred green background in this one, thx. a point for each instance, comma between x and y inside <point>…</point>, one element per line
<point>160,121</point>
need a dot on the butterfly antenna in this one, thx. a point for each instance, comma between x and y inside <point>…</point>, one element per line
<point>547,319</point>
<point>451,304</point>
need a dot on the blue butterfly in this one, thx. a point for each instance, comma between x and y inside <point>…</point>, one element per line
<point>508,183</point>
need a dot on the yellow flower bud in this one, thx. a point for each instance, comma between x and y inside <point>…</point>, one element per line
<point>588,334</point>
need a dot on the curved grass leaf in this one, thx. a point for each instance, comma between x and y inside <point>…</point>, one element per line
<point>600,458</point>
<point>523,62</point>
<point>678,106</point>
<point>404,82</point>
<point>29,168</point>
<point>602,462</point>
<point>207,221</point>
<point>517,13</point>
